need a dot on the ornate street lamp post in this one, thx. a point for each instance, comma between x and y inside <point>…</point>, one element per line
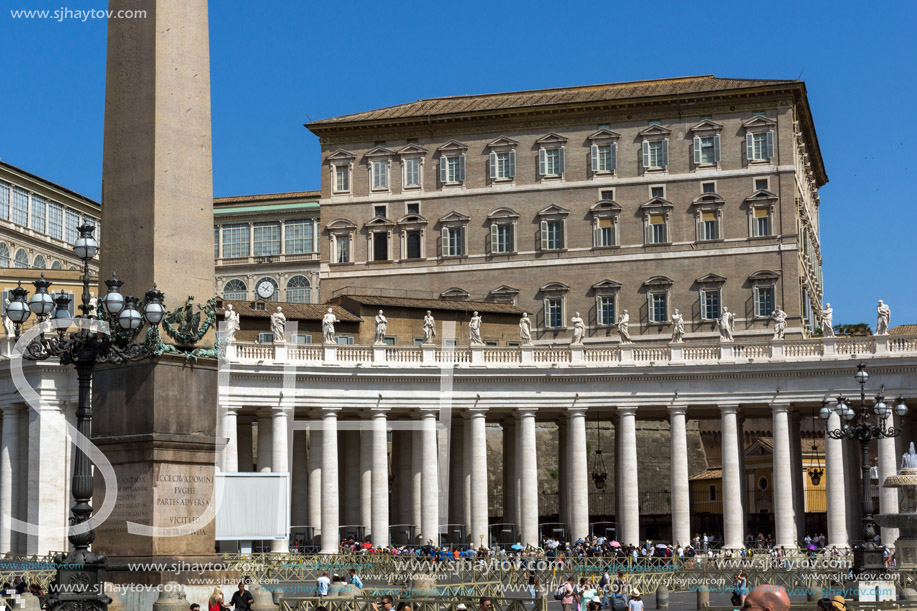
<point>868,555</point>
<point>82,588</point>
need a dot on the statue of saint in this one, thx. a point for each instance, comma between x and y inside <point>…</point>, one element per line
<point>909,460</point>
<point>8,325</point>
<point>779,317</point>
<point>579,328</point>
<point>623,322</point>
<point>429,328</point>
<point>725,323</point>
<point>232,323</point>
<point>474,327</point>
<point>678,327</point>
<point>278,321</point>
<point>328,321</point>
<point>884,318</point>
<point>827,321</point>
<point>381,326</point>
<point>525,329</point>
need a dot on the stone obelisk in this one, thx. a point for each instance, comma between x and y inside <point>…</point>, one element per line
<point>156,420</point>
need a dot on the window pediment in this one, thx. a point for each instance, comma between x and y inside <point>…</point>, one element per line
<point>502,142</point>
<point>551,139</point>
<point>379,151</point>
<point>554,288</point>
<point>657,202</point>
<point>711,278</point>
<point>504,289</point>
<point>761,195</point>
<point>708,198</point>
<point>606,286</point>
<point>452,146</point>
<point>455,293</point>
<point>706,126</point>
<point>758,122</point>
<point>503,213</point>
<point>655,130</point>
<point>412,219</point>
<point>603,134</point>
<point>659,281</point>
<point>412,149</point>
<point>764,276</point>
<point>340,224</point>
<point>553,210</point>
<point>379,222</point>
<point>454,217</point>
<point>605,206</point>
<point>341,155</point>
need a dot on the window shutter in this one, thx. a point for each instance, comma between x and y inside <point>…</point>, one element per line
<point>544,235</point>
<point>665,152</point>
<point>512,164</point>
<point>463,235</point>
<point>443,169</point>
<point>770,145</point>
<point>563,226</point>
<point>597,236</point>
<point>696,150</point>
<point>595,157</point>
<point>547,315</point>
<point>614,156</point>
<point>648,238</point>
<point>461,168</point>
<point>561,160</point>
<point>541,161</point>
<point>493,238</point>
<point>493,165</point>
<point>444,245</point>
<point>716,148</point>
<point>646,154</point>
<point>749,146</point>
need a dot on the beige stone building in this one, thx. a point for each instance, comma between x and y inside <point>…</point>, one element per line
<point>695,193</point>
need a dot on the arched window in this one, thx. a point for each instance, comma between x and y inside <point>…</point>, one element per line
<point>298,289</point>
<point>4,255</point>
<point>72,268</point>
<point>235,289</point>
<point>22,259</point>
<point>39,262</point>
<point>57,265</point>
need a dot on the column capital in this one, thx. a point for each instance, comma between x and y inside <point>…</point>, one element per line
<point>729,409</point>
<point>428,411</point>
<point>678,410</point>
<point>330,411</point>
<point>525,412</point>
<point>576,411</point>
<point>379,412</point>
<point>627,410</point>
<point>477,412</point>
<point>779,408</point>
<point>12,409</point>
<point>281,409</point>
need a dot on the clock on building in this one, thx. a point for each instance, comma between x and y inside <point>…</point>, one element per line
<point>265,289</point>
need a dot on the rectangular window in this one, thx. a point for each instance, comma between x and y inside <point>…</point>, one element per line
<point>551,162</point>
<point>301,338</point>
<point>216,242</point>
<point>603,157</point>
<point>761,184</point>
<point>708,187</point>
<point>501,238</point>
<point>55,220</point>
<point>344,340</point>
<point>71,225</point>
<point>554,312</point>
<point>21,208</point>
<point>388,340</point>
<point>4,200</point>
<point>266,239</point>
<point>655,154</point>
<point>552,235</point>
<point>452,169</point>
<point>342,245</point>
<point>706,150</point>
<point>380,174</point>
<point>413,208</point>
<point>761,224</point>
<point>379,210</point>
<point>412,172</point>
<point>656,233</point>
<point>607,194</point>
<point>341,178</point>
<point>298,237</point>
<point>764,300</point>
<point>710,304</point>
<point>235,240</point>
<point>449,342</point>
<point>709,226</point>
<point>412,240</point>
<point>380,246</point>
<point>605,232</point>
<point>712,492</point>
<point>39,213</point>
<point>503,165</point>
<point>606,310</point>
<point>265,338</point>
<point>759,146</point>
<point>659,308</point>
<point>657,191</point>
<point>453,241</point>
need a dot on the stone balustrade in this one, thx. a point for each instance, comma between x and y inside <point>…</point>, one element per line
<point>614,355</point>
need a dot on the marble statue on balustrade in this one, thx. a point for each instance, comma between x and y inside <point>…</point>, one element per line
<point>726,322</point>
<point>278,322</point>
<point>328,321</point>
<point>381,326</point>
<point>827,321</point>
<point>474,329</point>
<point>232,323</point>
<point>429,328</point>
<point>623,322</point>
<point>779,317</point>
<point>909,459</point>
<point>884,318</point>
<point>525,329</point>
<point>579,329</point>
<point>8,325</point>
<point>678,327</point>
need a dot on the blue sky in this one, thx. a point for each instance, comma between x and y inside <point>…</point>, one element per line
<point>276,65</point>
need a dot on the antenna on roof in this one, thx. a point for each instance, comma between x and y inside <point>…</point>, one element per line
<point>800,73</point>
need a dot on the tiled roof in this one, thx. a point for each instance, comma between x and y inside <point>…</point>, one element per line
<point>295,311</point>
<point>708,474</point>
<point>266,197</point>
<point>436,304</point>
<point>551,97</point>
<point>903,330</point>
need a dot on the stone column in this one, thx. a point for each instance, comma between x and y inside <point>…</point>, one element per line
<point>429,525</point>
<point>46,504</point>
<point>479,501</point>
<point>579,475</point>
<point>510,511</point>
<point>732,480</point>
<point>230,434</point>
<point>617,475</point>
<point>299,482</point>
<point>280,459</point>
<point>402,465</point>
<point>367,460</point>
<point>265,445</point>
<point>330,502</point>
<point>315,481</point>
<point>784,515</point>
<point>563,472</point>
<point>9,474</point>
<point>528,451</point>
<point>416,482</point>
<point>245,459</point>
<point>457,476</point>
<point>888,465</point>
<point>743,471</point>
<point>834,484</point>
<point>799,493</point>
<point>629,522</point>
<point>680,489</point>
<point>466,478</point>
<point>379,477</point>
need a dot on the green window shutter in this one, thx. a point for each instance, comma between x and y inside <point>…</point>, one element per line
<point>444,245</point>
<point>750,146</point>
<point>561,160</point>
<point>594,149</point>
<point>461,168</point>
<point>541,161</point>
<point>544,235</point>
<point>493,165</point>
<point>597,236</point>
<point>646,154</point>
<point>512,163</point>
<point>696,150</point>
<point>770,145</point>
<point>665,152</point>
<point>494,239</point>
<point>716,148</point>
<point>443,169</point>
<point>614,156</point>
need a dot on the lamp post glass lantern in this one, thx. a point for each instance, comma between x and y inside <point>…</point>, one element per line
<point>85,347</point>
<point>859,425</point>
